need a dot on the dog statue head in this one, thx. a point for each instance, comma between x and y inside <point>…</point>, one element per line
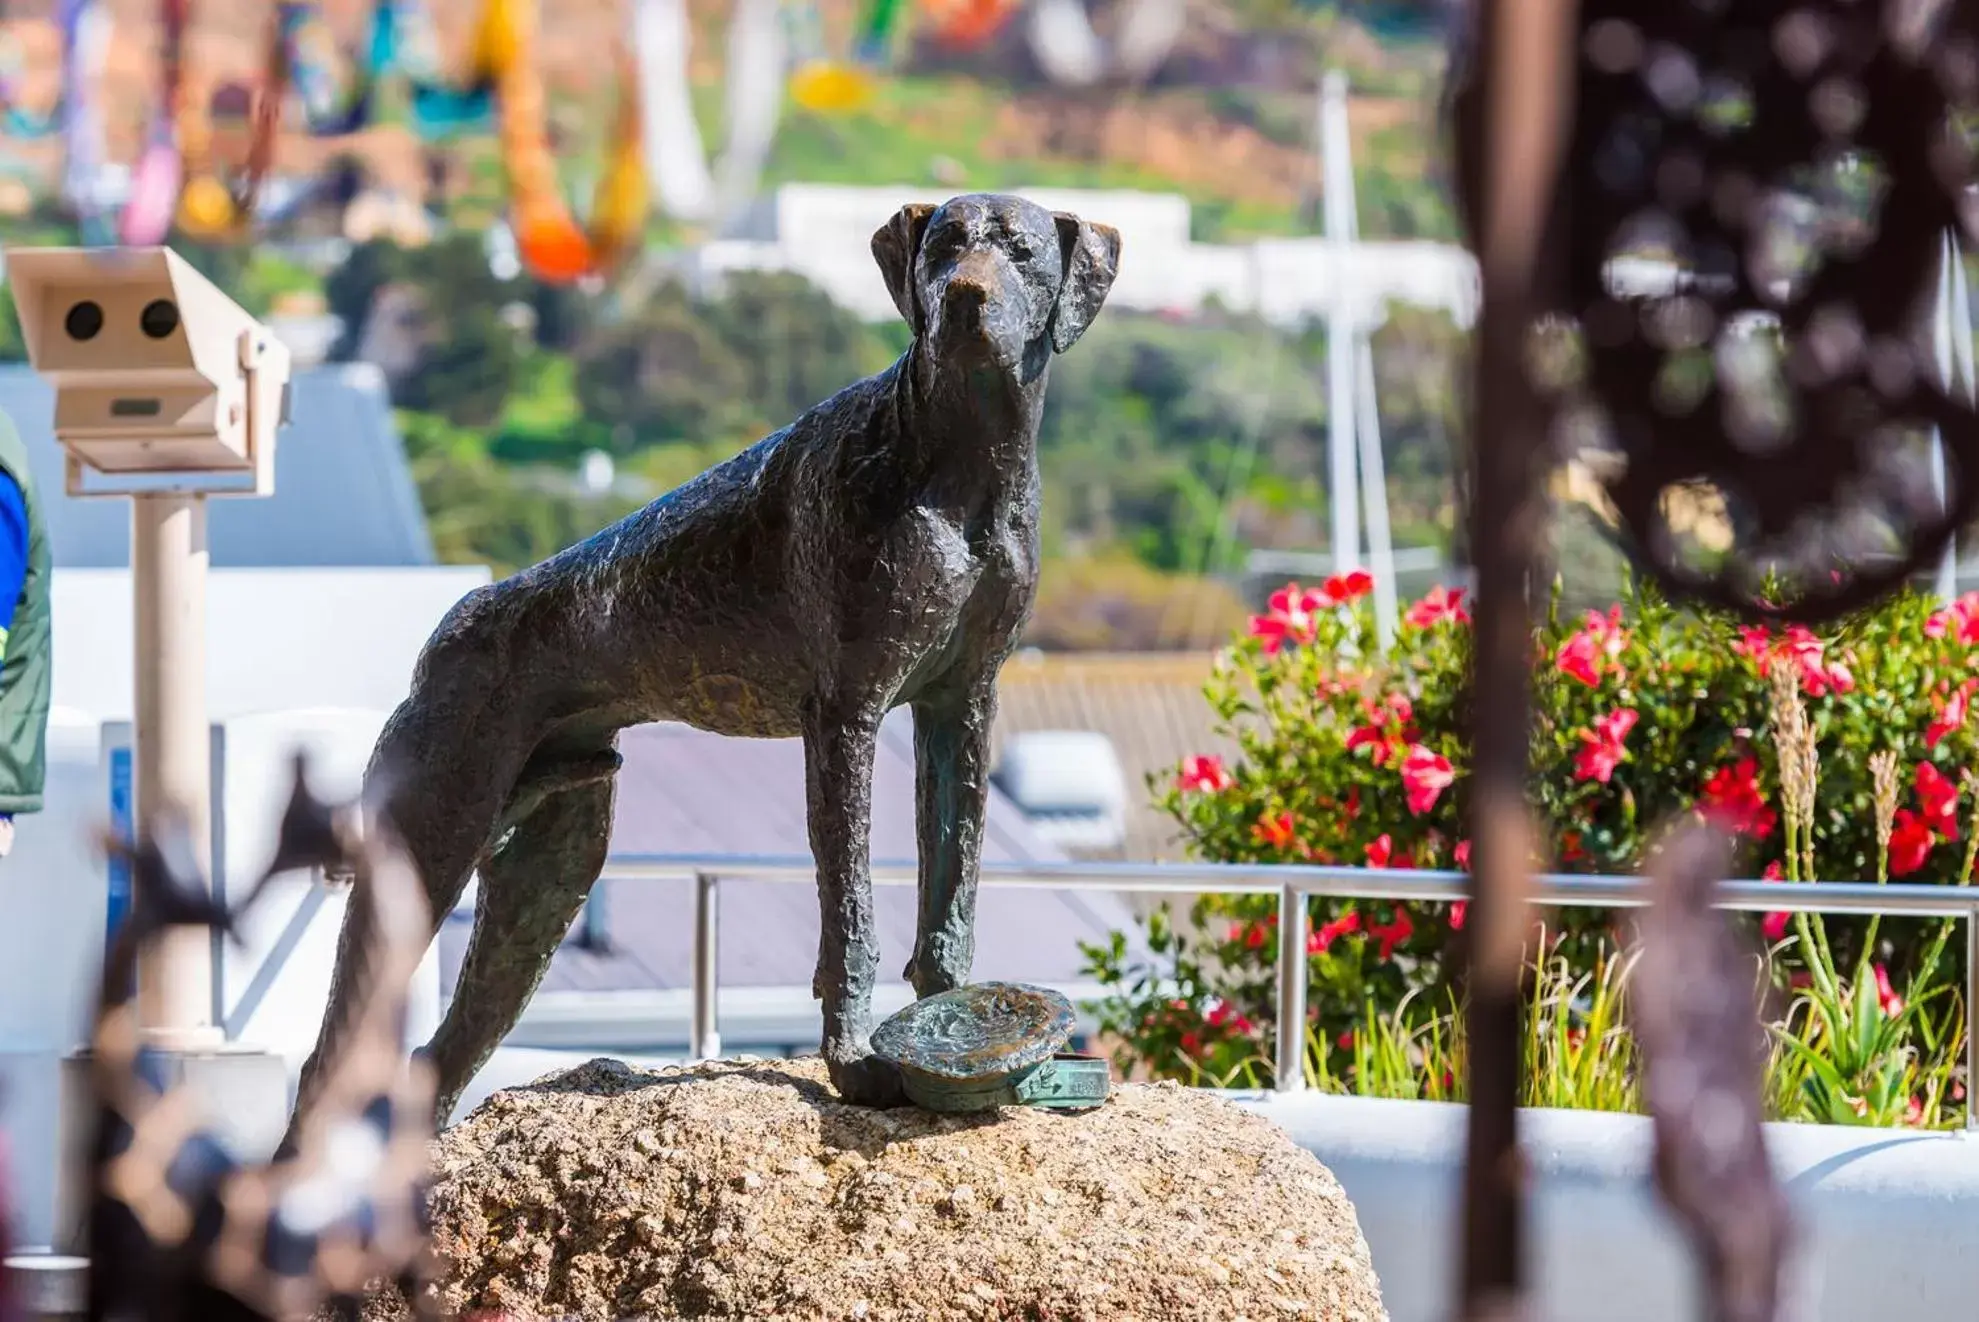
<point>996,280</point>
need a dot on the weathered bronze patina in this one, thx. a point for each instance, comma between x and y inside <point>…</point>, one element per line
<point>990,1045</point>
<point>881,550</point>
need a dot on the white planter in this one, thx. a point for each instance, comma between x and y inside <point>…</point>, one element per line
<point>1891,1217</point>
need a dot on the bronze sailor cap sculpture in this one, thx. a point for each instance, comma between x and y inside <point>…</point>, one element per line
<point>989,1045</point>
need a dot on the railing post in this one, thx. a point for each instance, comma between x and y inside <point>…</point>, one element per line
<point>1291,1060</point>
<point>704,1039</point>
<point>1971,1000</point>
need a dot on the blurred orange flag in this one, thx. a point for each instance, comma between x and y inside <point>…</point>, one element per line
<point>553,247</point>
<point>968,22</point>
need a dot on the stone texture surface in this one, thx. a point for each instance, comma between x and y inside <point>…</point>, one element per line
<point>747,1190</point>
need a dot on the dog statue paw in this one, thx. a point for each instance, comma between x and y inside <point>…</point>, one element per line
<point>867,1081</point>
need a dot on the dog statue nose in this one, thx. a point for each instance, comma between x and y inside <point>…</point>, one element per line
<point>963,301</point>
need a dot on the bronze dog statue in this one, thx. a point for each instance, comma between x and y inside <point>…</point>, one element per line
<point>881,550</point>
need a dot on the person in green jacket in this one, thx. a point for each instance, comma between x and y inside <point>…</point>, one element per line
<point>25,663</point>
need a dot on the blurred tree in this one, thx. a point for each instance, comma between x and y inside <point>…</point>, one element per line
<point>353,287</point>
<point>463,355</point>
<point>663,375</point>
<point>796,346</point>
<point>481,511</point>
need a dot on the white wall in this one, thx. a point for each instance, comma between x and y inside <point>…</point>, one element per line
<point>1891,1216</point>
<point>276,638</point>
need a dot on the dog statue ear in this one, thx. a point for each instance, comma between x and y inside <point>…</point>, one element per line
<point>1092,258</point>
<point>894,246</point>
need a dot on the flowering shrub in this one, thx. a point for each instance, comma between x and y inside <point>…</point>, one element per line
<point>1642,713</point>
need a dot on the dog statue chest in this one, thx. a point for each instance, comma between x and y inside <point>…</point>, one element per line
<point>971,571</point>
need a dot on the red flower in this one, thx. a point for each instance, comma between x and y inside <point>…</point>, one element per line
<point>1774,925</point>
<point>1394,933</point>
<point>1578,657</point>
<point>1254,936</point>
<point>1586,653</point>
<point>1463,855</point>
<point>1910,843</point>
<point>1886,995</point>
<point>1369,736</point>
<point>1570,850</point>
<point>1913,1112</point>
<point>1960,620</point>
<point>1939,796</point>
<point>1818,677</point>
<point>1952,712</point>
<point>1351,586</point>
<point>1425,775</point>
<point>1277,831</point>
<point>1322,939</point>
<point>1203,774</point>
<point>1192,1044</point>
<point>1601,748</point>
<point>1289,616</point>
<point>1458,913</point>
<point>1438,604</point>
<point>1732,799</point>
<point>1223,1016</point>
<point>1380,851</point>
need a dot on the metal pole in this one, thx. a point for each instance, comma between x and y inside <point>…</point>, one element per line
<point>1971,1000</point>
<point>1374,489</point>
<point>1961,335</point>
<point>174,748</point>
<point>704,1039</point>
<point>1291,1060</point>
<point>1337,176</point>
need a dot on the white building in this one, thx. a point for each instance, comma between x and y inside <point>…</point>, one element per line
<point>824,232</point>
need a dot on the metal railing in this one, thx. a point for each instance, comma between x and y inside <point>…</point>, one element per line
<point>1294,884</point>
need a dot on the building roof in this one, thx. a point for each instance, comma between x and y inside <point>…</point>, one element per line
<point>683,791</point>
<point>1151,708</point>
<point>343,493</point>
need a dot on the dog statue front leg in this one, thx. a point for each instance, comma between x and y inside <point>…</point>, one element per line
<point>951,773</point>
<point>839,746</point>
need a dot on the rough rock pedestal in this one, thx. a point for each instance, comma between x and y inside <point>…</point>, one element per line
<point>747,1190</point>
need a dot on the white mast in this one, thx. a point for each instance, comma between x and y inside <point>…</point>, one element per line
<point>1334,165</point>
<point>1951,331</point>
<point>1358,475</point>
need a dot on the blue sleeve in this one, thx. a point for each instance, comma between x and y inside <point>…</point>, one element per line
<point>13,552</point>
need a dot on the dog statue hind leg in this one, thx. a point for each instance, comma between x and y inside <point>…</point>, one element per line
<point>532,886</point>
